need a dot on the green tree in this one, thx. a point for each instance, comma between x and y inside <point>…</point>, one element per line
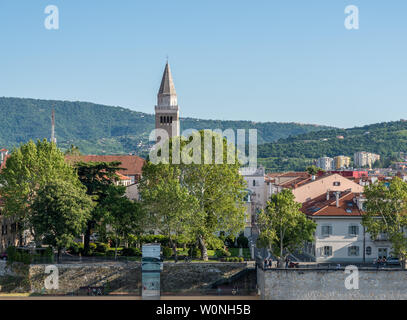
<point>122,217</point>
<point>29,168</point>
<point>217,188</point>
<point>59,213</point>
<point>97,177</point>
<point>313,170</point>
<point>171,208</point>
<point>283,227</point>
<point>386,212</point>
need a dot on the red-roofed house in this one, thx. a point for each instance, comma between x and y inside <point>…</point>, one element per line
<point>340,236</point>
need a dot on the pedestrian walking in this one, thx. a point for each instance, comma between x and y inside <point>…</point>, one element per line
<point>287,262</point>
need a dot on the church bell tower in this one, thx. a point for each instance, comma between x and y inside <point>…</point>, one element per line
<point>166,110</point>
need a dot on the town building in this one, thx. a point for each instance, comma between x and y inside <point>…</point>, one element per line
<point>341,162</point>
<point>325,163</point>
<point>311,188</point>
<point>167,110</point>
<point>340,235</point>
<point>351,173</point>
<point>259,192</point>
<point>365,159</point>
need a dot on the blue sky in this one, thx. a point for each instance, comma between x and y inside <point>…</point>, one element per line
<point>260,60</point>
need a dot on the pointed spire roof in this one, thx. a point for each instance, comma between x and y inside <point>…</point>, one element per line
<point>167,84</point>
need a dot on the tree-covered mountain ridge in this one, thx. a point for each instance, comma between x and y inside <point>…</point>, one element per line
<point>103,129</point>
<point>388,139</point>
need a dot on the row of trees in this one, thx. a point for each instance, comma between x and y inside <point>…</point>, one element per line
<point>57,201</point>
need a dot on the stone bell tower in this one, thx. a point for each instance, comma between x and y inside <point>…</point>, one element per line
<point>166,110</point>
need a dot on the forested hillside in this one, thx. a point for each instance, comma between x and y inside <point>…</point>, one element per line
<point>100,129</point>
<point>294,153</point>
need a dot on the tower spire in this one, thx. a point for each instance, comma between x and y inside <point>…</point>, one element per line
<point>166,110</point>
<point>167,83</point>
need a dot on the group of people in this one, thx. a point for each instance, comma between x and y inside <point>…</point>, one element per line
<point>268,263</point>
<point>380,262</point>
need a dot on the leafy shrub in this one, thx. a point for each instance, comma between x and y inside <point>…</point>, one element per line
<point>102,247</point>
<point>76,248</point>
<point>15,255</point>
<point>131,252</point>
<point>194,252</point>
<point>152,238</point>
<point>99,254</point>
<point>110,253</point>
<point>220,253</point>
<point>92,249</point>
<point>167,252</point>
<point>49,252</point>
<point>242,241</point>
<point>233,259</point>
<point>230,241</point>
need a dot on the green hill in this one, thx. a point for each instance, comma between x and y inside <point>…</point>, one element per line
<point>294,153</point>
<point>100,129</point>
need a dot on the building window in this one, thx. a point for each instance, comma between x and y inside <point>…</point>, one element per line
<point>254,183</point>
<point>353,230</point>
<point>337,184</point>
<point>327,251</point>
<point>368,251</point>
<point>353,251</point>
<point>326,230</point>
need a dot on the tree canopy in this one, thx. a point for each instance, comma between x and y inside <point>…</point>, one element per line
<point>212,194</point>
<point>386,212</point>
<point>283,227</point>
<point>29,168</point>
<point>59,213</point>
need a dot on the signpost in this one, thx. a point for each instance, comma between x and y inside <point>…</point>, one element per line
<point>151,266</point>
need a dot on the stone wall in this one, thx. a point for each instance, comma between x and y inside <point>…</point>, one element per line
<point>318,284</point>
<point>126,277</point>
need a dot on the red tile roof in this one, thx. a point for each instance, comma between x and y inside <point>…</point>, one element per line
<point>122,177</point>
<point>132,164</point>
<point>320,206</point>
<point>3,164</point>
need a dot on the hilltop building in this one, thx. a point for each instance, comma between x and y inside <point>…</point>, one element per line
<point>167,110</point>
<point>325,163</point>
<point>365,159</point>
<point>341,162</point>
